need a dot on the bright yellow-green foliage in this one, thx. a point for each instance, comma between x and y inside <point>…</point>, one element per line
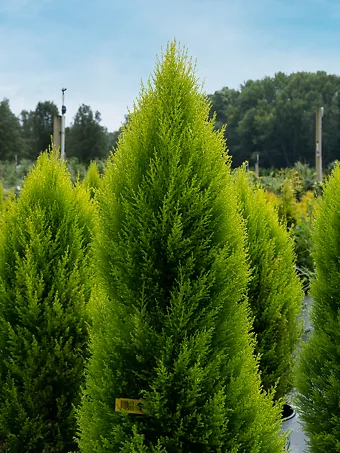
<point>6,196</point>
<point>298,216</point>
<point>275,292</point>
<point>44,287</point>
<point>9,197</point>
<point>272,198</point>
<point>307,207</point>
<point>287,205</point>
<point>1,197</point>
<point>170,322</point>
<point>92,180</point>
<point>318,374</point>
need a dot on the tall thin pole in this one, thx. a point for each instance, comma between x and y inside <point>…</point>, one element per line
<point>63,111</point>
<point>318,144</point>
<point>56,131</point>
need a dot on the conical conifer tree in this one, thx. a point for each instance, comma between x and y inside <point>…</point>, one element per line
<point>275,291</point>
<point>170,324</point>
<point>318,372</point>
<point>44,287</point>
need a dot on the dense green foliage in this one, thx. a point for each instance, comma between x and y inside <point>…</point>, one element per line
<point>318,373</point>
<point>37,129</point>
<point>275,117</point>
<point>170,322</point>
<point>44,287</point>
<point>275,291</point>
<point>10,133</point>
<point>86,139</point>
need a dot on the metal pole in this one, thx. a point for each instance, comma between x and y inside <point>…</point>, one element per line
<point>63,111</point>
<point>318,147</point>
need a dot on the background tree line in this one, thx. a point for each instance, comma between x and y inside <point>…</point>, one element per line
<point>24,137</point>
<point>274,117</point>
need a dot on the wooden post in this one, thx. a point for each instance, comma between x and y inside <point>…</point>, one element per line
<point>57,131</point>
<point>318,144</point>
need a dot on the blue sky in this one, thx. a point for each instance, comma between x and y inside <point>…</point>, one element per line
<point>102,49</point>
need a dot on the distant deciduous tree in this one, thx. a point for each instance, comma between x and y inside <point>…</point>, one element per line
<point>37,128</point>
<point>86,139</point>
<point>275,117</point>
<point>11,143</point>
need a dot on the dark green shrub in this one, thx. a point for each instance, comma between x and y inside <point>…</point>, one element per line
<point>44,287</point>
<point>302,234</point>
<point>318,372</point>
<point>170,321</point>
<point>275,291</point>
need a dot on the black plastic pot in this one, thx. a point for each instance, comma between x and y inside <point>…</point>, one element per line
<point>288,412</point>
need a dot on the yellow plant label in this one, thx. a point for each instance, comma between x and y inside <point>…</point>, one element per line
<point>129,405</point>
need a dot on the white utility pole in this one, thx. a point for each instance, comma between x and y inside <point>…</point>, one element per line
<point>318,147</point>
<point>63,111</point>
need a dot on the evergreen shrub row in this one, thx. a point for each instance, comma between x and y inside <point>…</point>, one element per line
<point>170,280</point>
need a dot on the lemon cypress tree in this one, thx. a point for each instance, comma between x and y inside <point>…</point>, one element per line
<point>318,372</point>
<point>170,322</point>
<point>44,287</point>
<point>275,291</point>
